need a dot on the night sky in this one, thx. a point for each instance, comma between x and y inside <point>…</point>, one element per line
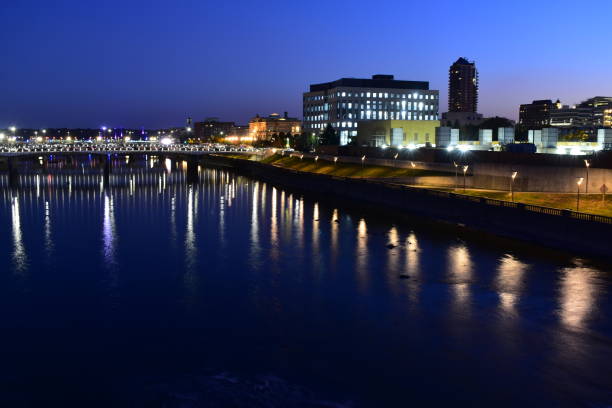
<point>80,63</point>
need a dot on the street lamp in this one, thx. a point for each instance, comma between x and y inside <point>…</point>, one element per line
<point>316,158</point>
<point>335,160</point>
<point>465,169</point>
<point>456,175</point>
<point>514,173</point>
<point>362,160</point>
<point>586,187</point>
<point>579,181</point>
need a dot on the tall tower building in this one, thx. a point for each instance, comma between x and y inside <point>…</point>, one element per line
<point>463,87</point>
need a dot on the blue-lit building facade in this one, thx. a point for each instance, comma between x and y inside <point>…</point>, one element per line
<point>347,101</point>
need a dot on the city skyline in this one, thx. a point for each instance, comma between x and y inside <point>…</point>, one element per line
<point>176,65</point>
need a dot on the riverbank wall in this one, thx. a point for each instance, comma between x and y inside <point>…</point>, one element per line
<point>497,176</point>
<point>567,230</point>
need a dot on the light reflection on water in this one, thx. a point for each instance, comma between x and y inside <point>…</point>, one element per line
<point>300,285</point>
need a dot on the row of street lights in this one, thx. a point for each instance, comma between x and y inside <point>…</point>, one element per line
<point>513,175</point>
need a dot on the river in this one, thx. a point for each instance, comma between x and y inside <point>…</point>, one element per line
<point>148,290</point>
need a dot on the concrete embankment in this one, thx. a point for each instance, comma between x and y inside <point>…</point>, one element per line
<point>497,176</point>
<point>577,233</point>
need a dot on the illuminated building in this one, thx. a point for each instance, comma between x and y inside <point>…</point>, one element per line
<point>396,133</point>
<point>536,115</point>
<point>348,101</point>
<point>263,128</point>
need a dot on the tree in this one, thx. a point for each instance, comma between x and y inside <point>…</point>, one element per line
<point>576,136</point>
<point>330,136</point>
<point>305,142</point>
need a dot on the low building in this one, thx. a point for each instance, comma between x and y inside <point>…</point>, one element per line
<point>447,136</point>
<point>380,133</point>
<point>263,128</point>
<point>211,129</point>
<point>604,138</point>
<point>505,135</point>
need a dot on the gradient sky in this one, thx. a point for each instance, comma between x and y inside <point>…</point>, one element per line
<point>80,63</point>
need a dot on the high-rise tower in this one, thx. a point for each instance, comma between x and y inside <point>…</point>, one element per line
<point>463,87</point>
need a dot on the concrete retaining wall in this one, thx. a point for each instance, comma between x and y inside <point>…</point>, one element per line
<point>496,176</point>
<point>562,229</point>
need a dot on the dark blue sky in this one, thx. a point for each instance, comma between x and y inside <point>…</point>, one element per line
<point>80,63</point>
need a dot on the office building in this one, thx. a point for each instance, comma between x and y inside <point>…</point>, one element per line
<point>536,115</point>
<point>592,113</point>
<point>264,128</point>
<point>600,108</point>
<point>463,87</point>
<point>346,102</point>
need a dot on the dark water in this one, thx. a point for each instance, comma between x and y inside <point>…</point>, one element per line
<point>150,291</point>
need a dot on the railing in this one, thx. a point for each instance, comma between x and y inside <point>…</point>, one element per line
<point>116,149</point>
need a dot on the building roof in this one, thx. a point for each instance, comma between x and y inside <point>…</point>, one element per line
<point>377,81</point>
<point>463,61</point>
<point>274,117</point>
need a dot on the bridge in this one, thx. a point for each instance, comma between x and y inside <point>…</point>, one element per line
<point>192,154</point>
<point>119,148</point>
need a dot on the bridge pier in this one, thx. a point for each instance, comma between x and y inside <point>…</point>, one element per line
<point>13,172</point>
<point>106,170</point>
<point>193,175</point>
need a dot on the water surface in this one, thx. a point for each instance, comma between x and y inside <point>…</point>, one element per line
<point>146,289</point>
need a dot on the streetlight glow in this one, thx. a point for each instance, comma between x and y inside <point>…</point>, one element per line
<point>579,181</point>
<point>513,176</point>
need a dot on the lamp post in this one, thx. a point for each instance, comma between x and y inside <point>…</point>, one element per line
<point>456,175</point>
<point>13,129</point>
<point>514,173</point>
<point>579,181</point>
<point>362,160</point>
<point>586,187</point>
<point>465,169</point>
<point>335,160</point>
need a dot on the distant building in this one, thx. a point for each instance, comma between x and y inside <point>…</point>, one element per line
<point>240,130</point>
<point>263,128</point>
<point>591,114</point>
<point>570,117</point>
<point>601,110</point>
<point>395,133</point>
<point>536,115</point>
<point>211,128</point>
<point>463,87</point>
<point>346,102</point>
